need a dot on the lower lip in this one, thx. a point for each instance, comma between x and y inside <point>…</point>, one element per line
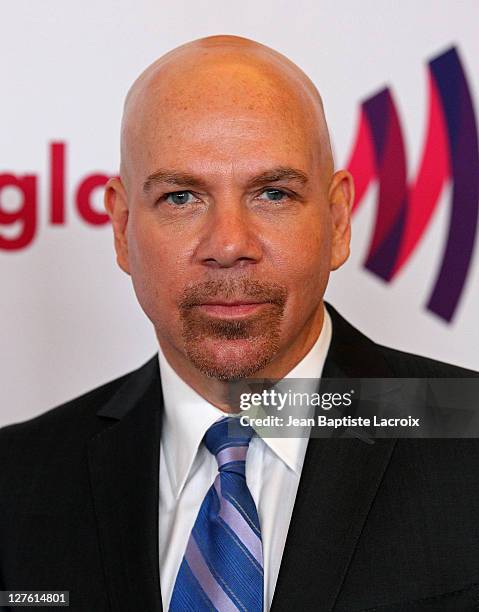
<point>222,310</point>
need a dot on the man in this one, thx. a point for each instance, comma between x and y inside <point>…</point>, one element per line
<point>229,217</point>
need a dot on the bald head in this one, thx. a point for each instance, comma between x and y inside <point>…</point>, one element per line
<point>227,78</point>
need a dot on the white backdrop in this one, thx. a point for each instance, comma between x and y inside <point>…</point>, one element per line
<point>69,318</point>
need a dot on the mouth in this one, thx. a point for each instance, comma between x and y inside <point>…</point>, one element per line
<point>230,309</point>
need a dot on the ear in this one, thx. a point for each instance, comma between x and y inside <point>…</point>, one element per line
<point>341,198</point>
<point>116,204</point>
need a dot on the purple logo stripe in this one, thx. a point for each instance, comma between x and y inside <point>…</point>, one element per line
<point>464,151</point>
<point>205,578</point>
<point>390,162</point>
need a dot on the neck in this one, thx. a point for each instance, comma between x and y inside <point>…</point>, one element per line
<point>224,394</point>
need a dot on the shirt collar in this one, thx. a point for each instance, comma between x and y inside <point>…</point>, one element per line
<point>187,415</point>
<point>309,370</point>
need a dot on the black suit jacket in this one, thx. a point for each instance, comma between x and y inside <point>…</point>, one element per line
<point>387,526</point>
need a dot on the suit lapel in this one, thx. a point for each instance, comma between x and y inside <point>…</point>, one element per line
<point>339,481</point>
<point>124,464</point>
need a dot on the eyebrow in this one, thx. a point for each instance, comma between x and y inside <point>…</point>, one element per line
<point>180,179</point>
<point>171,178</point>
<point>281,173</point>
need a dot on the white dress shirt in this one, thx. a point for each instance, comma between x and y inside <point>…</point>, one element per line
<point>188,469</point>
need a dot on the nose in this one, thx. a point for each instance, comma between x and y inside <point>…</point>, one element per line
<point>229,237</point>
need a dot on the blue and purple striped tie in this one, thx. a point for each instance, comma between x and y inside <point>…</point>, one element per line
<point>222,568</point>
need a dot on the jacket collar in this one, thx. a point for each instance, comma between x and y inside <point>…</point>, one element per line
<point>351,353</point>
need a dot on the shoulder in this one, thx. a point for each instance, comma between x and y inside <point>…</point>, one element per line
<point>70,413</point>
<point>65,425</point>
<point>359,356</point>
<point>47,456</point>
<point>404,365</point>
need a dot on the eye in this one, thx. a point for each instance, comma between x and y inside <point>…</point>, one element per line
<point>273,195</point>
<point>178,198</point>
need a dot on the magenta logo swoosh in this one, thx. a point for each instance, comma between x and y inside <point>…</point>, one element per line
<point>450,153</point>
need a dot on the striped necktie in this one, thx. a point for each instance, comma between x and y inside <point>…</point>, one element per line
<point>222,568</point>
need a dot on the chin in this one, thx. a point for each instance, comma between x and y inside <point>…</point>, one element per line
<point>231,360</point>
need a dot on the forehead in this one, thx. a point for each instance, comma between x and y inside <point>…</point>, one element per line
<point>234,113</point>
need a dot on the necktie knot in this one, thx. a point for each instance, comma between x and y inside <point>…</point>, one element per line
<point>229,440</point>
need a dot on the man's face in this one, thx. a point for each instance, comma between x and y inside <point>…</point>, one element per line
<point>229,234</point>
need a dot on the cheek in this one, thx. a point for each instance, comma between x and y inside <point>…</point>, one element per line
<point>156,267</point>
<point>302,254</point>
<point>303,265</point>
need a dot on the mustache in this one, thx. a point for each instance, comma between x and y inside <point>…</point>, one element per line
<point>233,289</point>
